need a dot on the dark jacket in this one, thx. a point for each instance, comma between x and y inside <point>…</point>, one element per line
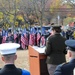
<point>10,38</point>
<point>1,39</point>
<point>65,69</point>
<point>55,49</point>
<point>10,69</point>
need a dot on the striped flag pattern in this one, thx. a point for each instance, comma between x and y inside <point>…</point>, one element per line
<point>43,41</point>
<point>22,41</point>
<point>26,39</point>
<point>32,37</point>
<point>4,37</point>
<point>38,37</point>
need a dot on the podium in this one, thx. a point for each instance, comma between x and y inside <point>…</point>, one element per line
<point>37,61</point>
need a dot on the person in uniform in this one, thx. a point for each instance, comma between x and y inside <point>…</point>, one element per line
<point>8,56</point>
<point>10,37</point>
<point>1,37</point>
<point>55,49</point>
<point>67,67</point>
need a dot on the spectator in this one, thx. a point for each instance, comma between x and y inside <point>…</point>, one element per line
<point>69,34</point>
<point>1,35</point>
<point>67,67</point>
<point>10,37</point>
<point>8,52</point>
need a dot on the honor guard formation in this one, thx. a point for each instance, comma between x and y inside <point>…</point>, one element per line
<point>33,36</point>
<point>54,38</point>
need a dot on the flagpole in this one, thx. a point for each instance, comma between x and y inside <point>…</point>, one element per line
<point>58,19</point>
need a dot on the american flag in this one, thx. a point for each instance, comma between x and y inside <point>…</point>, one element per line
<point>26,39</point>
<point>5,34</point>
<point>43,41</point>
<point>32,37</point>
<point>38,37</point>
<point>15,36</point>
<point>22,41</point>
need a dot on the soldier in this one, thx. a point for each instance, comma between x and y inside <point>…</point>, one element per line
<point>1,35</point>
<point>10,37</point>
<point>55,49</point>
<point>67,68</point>
<point>8,56</point>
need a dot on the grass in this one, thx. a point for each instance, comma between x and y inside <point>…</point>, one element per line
<point>22,60</point>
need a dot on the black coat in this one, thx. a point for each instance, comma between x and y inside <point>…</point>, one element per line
<point>55,49</point>
<point>10,70</point>
<point>65,69</point>
<point>10,38</point>
<point>1,39</point>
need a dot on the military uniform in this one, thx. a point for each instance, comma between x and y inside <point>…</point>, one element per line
<point>10,69</point>
<point>55,51</point>
<point>10,38</point>
<point>67,68</point>
<point>8,50</point>
<point>1,38</point>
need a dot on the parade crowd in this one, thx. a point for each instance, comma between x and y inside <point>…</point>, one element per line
<point>51,38</point>
<point>23,37</point>
<point>31,37</point>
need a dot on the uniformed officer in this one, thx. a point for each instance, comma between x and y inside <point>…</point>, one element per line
<point>67,68</point>
<point>1,35</point>
<point>55,49</point>
<point>8,56</point>
<point>10,37</point>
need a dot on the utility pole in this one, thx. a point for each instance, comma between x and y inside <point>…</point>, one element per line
<point>14,15</point>
<point>42,13</point>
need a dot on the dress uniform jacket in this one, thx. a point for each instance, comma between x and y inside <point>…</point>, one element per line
<point>55,49</point>
<point>66,68</point>
<point>1,39</point>
<point>10,69</point>
<point>10,38</point>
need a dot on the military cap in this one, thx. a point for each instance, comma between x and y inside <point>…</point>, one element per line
<point>56,26</point>
<point>8,48</point>
<point>70,45</point>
